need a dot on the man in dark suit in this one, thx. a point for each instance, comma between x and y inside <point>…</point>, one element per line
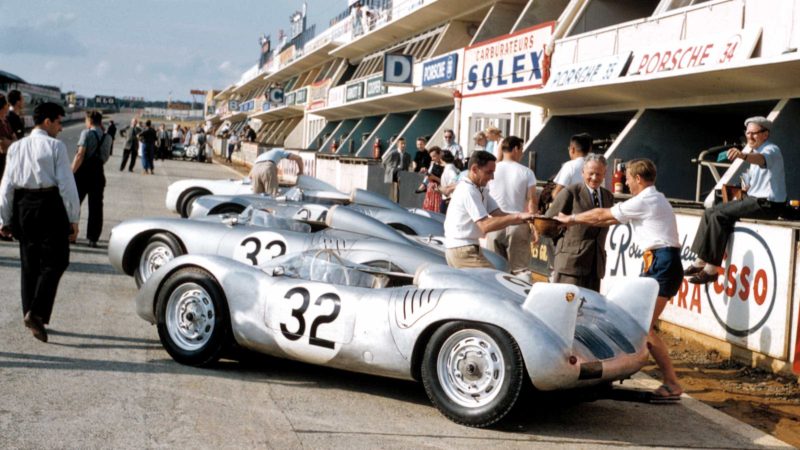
<point>580,256</point>
<point>131,148</point>
<point>393,163</point>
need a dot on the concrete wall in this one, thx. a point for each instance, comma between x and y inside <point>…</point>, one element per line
<point>339,133</point>
<point>424,123</point>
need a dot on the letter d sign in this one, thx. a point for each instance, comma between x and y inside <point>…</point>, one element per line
<point>398,69</point>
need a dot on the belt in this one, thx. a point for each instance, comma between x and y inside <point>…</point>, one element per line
<point>267,161</point>
<point>36,190</point>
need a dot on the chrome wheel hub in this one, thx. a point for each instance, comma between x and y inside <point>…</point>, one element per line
<point>153,259</point>
<point>471,368</point>
<point>190,316</point>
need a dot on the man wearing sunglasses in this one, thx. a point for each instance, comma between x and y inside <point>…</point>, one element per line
<point>765,183</point>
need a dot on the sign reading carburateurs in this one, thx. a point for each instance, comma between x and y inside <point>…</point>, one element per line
<point>748,305</point>
<point>507,63</point>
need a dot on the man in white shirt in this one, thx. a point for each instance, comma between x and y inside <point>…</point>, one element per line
<point>473,213</point>
<point>571,172</point>
<point>655,230</point>
<point>514,190</point>
<point>766,198</point>
<point>265,170</point>
<point>39,206</point>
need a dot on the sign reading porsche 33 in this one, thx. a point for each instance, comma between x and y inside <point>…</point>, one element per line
<point>749,303</point>
<point>507,63</point>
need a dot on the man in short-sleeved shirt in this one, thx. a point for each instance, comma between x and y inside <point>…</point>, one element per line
<point>94,149</point>
<point>571,172</point>
<point>265,170</point>
<point>655,231</point>
<point>765,182</point>
<point>473,213</point>
<point>514,190</point>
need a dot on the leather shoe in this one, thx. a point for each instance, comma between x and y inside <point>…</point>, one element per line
<point>703,278</point>
<point>34,323</point>
<point>691,270</point>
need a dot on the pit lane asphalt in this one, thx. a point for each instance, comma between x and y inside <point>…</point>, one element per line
<point>104,381</point>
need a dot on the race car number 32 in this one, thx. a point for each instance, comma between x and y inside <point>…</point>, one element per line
<point>310,322</point>
<point>259,247</point>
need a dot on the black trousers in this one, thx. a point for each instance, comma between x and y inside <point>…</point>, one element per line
<point>91,180</point>
<point>41,225</point>
<point>129,153</point>
<point>717,225</point>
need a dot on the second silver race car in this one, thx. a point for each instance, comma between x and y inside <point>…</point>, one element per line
<point>138,247</point>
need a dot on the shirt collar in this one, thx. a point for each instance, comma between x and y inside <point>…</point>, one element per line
<point>39,131</point>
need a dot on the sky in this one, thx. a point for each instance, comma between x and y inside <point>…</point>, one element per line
<point>156,49</point>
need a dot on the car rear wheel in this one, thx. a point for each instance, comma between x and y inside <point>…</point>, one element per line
<point>473,373</point>
<point>161,248</point>
<point>192,317</point>
<point>185,205</point>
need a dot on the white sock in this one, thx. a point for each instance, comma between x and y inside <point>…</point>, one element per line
<point>710,268</point>
<point>699,263</point>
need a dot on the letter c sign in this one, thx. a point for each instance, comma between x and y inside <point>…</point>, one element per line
<point>398,69</point>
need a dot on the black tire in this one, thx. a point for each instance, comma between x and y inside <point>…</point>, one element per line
<point>185,204</point>
<point>228,208</point>
<point>192,317</point>
<point>159,250</point>
<point>481,348</point>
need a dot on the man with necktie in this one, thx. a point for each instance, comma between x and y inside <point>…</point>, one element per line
<point>580,256</point>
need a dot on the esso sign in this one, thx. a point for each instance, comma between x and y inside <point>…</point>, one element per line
<point>744,294</point>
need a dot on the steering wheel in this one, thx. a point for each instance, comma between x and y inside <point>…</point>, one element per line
<point>332,258</point>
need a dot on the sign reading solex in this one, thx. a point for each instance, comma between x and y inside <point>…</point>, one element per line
<point>748,305</point>
<point>507,63</point>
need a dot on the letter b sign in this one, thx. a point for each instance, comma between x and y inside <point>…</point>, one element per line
<point>398,69</point>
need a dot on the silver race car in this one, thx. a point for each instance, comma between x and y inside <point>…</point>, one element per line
<point>235,195</point>
<point>296,204</point>
<point>474,337</point>
<point>138,247</point>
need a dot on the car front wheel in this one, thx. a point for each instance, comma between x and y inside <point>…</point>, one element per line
<point>161,248</point>
<point>192,317</point>
<point>473,373</point>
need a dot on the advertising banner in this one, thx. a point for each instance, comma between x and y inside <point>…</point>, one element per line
<point>318,93</point>
<point>301,96</point>
<point>355,91</point>
<point>749,303</point>
<point>601,69</point>
<point>440,70</point>
<point>692,53</point>
<point>375,87</point>
<point>336,96</point>
<point>507,63</point>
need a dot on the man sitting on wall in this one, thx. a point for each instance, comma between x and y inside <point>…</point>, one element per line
<point>765,183</point>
